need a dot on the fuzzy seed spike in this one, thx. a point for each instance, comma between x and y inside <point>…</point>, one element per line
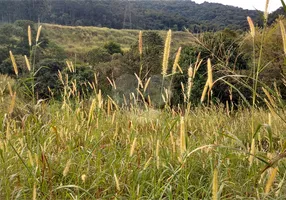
<point>176,62</point>
<point>38,33</point>
<point>210,74</point>
<point>271,180</point>
<point>67,168</point>
<point>140,46</point>
<point>116,182</point>
<point>182,136</point>
<point>166,53</point>
<point>14,63</point>
<point>27,63</point>
<point>215,184</point>
<point>251,26</point>
<point>133,147</point>
<point>204,92</point>
<point>29,36</point>
<point>266,10</point>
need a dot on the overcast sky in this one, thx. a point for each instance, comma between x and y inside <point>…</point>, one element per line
<point>247,4</point>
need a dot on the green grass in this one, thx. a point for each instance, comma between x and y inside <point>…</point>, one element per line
<point>82,39</point>
<point>37,143</point>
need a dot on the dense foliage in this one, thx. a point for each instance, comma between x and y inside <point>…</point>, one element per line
<point>146,15</point>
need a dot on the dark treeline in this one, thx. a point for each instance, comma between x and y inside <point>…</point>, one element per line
<point>155,15</point>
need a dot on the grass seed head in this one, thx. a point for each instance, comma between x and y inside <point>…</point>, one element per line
<point>215,184</point>
<point>38,33</point>
<point>147,163</point>
<point>69,66</point>
<point>133,147</point>
<point>147,84</point>
<point>140,46</point>
<point>116,182</point>
<point>27,63</point>
<point>176,62</point>
<point>266,10</point>
<point>166,53</point>
<point>182,136</point>
<point>14,63</point>
<point>204,92</point>
<point>210,74</point>
<point>190,81</point>
<point>12,104</point>
<point>269,119</point>
<point>251,26</point>
<point>271,180</point>
<point>29,36</point>
<point>271,100</point>
<point>10,89</point>
<point>67,168</point>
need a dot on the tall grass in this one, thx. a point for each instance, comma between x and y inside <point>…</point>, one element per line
<point>128,154</point>
<point>95,149</point>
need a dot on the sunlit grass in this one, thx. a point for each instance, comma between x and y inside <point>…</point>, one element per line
<point>81,39</point>
<point>56,150</point>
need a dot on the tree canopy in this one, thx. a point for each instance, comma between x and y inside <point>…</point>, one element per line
<point>140,14</point>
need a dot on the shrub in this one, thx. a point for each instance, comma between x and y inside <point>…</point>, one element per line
<point>47,76</point>
<point>113,48</point>
<point>98,55</point>
<point>54,51</point>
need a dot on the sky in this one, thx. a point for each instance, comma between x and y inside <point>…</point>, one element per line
<point>247,4</point>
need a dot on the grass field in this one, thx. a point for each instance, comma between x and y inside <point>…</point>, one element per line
<point>94,151</point>
<point>95,148</point>
<point>82,39</point>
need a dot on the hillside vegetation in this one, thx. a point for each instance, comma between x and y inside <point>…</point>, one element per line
<point>80,39</point>
<point>140,14</point>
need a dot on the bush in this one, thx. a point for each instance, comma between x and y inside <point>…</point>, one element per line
<point>113,48</point>
<point>98,55</point>
<point>53,51</point>
<point>47,76</point>
<point>3,54</point>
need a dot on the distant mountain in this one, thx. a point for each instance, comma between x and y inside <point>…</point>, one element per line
<point>274,15</point>
<point>140,14</point>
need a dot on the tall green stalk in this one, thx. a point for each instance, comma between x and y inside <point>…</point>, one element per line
<point>255,74</point>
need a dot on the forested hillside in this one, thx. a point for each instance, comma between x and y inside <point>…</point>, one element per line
<point>144,14</point>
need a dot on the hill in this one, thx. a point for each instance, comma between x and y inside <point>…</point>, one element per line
<point>81,39</point>
<point>274,15</point>
<point>144,14</point>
